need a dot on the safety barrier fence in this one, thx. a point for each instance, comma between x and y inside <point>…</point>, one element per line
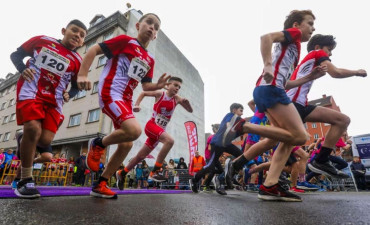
<point>9,171</point>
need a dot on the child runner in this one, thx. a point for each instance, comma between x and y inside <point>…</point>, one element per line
<point>40,89</point>
<point>270,97</point>
<point>320,48</point>
<point>128,63</point>
<point>155,128</point>
<point>217,149</point>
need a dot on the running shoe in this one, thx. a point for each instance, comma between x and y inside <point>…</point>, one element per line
<point>120,177</point>
<point>277,193</point>
<point>155,176</point>
<point>207,189</point>
<point>234,128</point>
<point>26,189</point>
<point>230,172</point>
<point>307,186</point>
<point>220,188</point>
<point>101,190</point>
<point>193,185</point>
<point>252,188</point>
<point>327,169</point>
<point>14,183</point>
<point>297,190</point>
<point>93,155</point>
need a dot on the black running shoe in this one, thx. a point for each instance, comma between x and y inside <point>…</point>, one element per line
<point>230,172</point>
<point>233,130</point>
<point>327,169</point>
<point>193,185</point>
<point>277,193</point>
<point>26,189</point>
<point>120,177</point>
<point>220,188</point>
<point>228,176</point>
<point>157,177</point>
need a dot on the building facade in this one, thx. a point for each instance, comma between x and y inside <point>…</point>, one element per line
<point>83,117</point>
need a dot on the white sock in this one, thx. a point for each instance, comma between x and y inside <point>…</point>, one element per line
<point>26,173</point>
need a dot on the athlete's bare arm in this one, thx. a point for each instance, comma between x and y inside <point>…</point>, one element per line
<point>82,82</point>
<point>266,45</point>
<point>342,73</point>
<point>157,94</point>
<point>184,103</point>
<point>316,73</point>
<point>161,83</point>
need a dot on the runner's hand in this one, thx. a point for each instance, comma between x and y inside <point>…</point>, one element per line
<point>65,96</point>
<point>318,72</point>
<point>163,81</point>
<point>268,74</point>
<point>83,83</point>
<point>28,74</point>
<point>136,108</point>
<point>361,73</point>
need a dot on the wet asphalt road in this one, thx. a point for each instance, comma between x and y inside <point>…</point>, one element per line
<point>236,208</point>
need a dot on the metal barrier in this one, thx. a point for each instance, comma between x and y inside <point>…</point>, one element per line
<point>10,169</point>
<point>53,174</point>
<point>176,178</point>
<point>343,184</point>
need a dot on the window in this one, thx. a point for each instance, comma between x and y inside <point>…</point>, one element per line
<point>93,115</point>
<point>11,102</point>
<point>15,87</point>
<point>6,136</point>
<point>90,44</point>
<point>1,94</point>
<point>102,61</point>
<point>3,106</point>
<point>8,90</point>
<point>108,35</point>
<point>1,136</point>
<point>74,120</point>
<point>95,87</point>
<point>314,125</point>
<point>6,119</point>
<point>80,94</point>
<point>12,117</point>
<point>315,136</point>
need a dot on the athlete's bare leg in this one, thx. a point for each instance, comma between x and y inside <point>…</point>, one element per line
<point>130,130</point>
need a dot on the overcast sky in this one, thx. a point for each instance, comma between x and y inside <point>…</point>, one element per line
<point>221,39</point>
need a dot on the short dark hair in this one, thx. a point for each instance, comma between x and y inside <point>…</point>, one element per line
<point>77,23</point>
<point>175,79</point>
<point>148,14</point>
<point>235,106</point>
<point>321,40</point>
<point>296,16</point>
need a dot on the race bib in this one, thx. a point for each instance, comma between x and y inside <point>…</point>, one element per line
<point>138,69</point>
<point>52,62</point>
<point>161,120</point>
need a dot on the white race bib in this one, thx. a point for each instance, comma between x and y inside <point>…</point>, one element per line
<point>138,69</point>
<point>161,120</point>
<point>52,61</point>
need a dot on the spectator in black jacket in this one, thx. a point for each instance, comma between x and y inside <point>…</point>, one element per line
<point>358,170</point>
<point>81,167</point>
<point>182,164</point>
